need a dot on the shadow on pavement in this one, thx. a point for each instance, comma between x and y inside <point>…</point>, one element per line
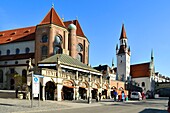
<point>6,104</point>
<point>153,111</point>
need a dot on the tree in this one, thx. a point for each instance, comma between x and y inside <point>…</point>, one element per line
<point>19,82</point>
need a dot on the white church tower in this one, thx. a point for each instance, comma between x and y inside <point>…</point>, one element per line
<point>123,58</point>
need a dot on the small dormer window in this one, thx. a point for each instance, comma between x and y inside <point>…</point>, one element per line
<point>1,35</point>
<point>12,33</point>
<point>27,31</point>
<point>9,39</point>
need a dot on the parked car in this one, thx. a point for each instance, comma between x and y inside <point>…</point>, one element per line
<point>135,95</point>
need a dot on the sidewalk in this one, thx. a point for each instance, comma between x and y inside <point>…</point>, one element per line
<point>20,106</point>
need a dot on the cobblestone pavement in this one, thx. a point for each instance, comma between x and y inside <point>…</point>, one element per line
<point>8,105</point>
<point>16,105</point>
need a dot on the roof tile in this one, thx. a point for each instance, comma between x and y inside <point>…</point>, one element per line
<point>140,70</point>
<point>17,35</point>
<point>67,60</point>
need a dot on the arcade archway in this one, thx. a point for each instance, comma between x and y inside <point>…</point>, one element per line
<point>94,90</point>
<point>83,90</point>
<point>49,90</point>
<point>104,91</point>
<point>67,90</point>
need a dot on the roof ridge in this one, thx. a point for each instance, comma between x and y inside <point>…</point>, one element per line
<point>17,29</point>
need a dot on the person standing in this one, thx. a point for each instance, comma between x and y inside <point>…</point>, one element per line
<point>169,105</point>
<point>100,96</point>
<point>123,96</point>
<point>115,95</point>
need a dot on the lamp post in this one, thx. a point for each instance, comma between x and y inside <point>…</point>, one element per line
<point>90,96</point>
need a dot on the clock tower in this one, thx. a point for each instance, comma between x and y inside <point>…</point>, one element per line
<point>123,57</point>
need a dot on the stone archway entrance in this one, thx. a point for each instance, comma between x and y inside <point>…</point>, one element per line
<point>82,90</point>
<point>49,90</point>
<point>104,91</point>
<point>94,90</point>
<point>68,90</point>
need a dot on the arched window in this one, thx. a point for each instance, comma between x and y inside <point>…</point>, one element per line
<point>57,40</point>
<point>143,84</point>
<point>27,50</point>
<point>57,50</point>
<point>79,57</point>
<point>24,76</point>
<point>44,39</point>
<point>8,52</point>
<point>44,52</point>
<point>1,76</point>
<point>57,44</point>
<point>17,51</point>
<point>79,47</point>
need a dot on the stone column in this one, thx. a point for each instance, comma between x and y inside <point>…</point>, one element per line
<point>76,89</point>
<point>43,93</point>
<point>109,88</point>
<point>90,87</point>
<point>55,92</point>
<point>59,92</point>
<point>101,85</point>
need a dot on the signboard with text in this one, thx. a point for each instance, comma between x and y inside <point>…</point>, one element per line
<point>35,86</point>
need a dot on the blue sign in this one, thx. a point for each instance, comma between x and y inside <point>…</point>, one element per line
<point>36,79</point>
<point>35,86</point>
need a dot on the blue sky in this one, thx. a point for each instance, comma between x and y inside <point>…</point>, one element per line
<point>146,22</point>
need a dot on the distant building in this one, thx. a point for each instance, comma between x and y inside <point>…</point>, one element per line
<point>123,57</point>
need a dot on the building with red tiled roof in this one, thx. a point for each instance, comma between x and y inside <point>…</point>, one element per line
<point>49,37</point>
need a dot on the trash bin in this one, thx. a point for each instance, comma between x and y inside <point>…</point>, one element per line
<point>126,99</point>
<point>97,99</point>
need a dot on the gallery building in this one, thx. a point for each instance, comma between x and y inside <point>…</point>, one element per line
<point>59,50</point>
